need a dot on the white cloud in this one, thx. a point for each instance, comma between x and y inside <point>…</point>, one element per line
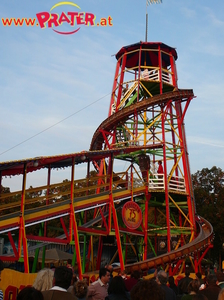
<point>188,13</point>
<point>206,141</point>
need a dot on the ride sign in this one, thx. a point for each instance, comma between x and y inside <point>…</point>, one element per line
<point>132,215</point>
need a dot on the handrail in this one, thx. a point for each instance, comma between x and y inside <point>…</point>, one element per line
<point>175,184</point>
<point>153,75</point>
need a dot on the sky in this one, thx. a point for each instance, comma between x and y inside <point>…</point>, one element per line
<point>55,88</point>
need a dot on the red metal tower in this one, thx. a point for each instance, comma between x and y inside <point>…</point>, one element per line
<point>147,110</point>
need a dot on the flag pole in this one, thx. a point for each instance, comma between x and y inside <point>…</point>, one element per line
<point>147,3</point>
<point>146,29</point>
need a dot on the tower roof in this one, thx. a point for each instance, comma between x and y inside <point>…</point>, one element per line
<point>149,58</point>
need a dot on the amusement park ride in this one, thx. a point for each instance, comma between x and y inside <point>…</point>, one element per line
<point>123,200</point>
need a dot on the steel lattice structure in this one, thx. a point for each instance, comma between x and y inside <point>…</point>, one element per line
<point>145,125</point>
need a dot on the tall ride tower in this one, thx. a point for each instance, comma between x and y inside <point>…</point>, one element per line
<point>147,111</point>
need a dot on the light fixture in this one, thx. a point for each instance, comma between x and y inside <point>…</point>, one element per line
<point>83,158</point>
<point>35,163</point>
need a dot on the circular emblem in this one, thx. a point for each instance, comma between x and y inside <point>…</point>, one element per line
<point>174,243</point>
<point>162,244</point>
<point>131,215</point>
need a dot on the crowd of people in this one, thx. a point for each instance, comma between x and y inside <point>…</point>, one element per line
<point>60,283</point>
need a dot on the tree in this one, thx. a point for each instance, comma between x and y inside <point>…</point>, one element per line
<point>209,199</point>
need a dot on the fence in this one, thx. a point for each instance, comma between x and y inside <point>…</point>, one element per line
<point>175,183</point>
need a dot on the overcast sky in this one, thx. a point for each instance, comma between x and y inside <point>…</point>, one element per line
<point>55,89</point>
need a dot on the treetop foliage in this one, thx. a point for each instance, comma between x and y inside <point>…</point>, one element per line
<point>209,199</point>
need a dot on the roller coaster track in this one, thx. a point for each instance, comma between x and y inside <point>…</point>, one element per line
<point>205,236</point>
<point>122,115</point>
<point>202,241</point>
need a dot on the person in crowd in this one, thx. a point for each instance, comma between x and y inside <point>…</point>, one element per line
<point>199,277</point>
<point>192,289</point>
<point>69,265</point>
<point>123,274</point>
<point>61,281</point>
<point>172,284</point>
<point>220,277</point>
<point>74,280</point>
<point>111,269</point>
<point>52,267</point>
<point>211,270</point>
<point>221,295</point>
<point>130,282</point>
<point>80,289</point>
<point>44,280</point>
<point>98,290</point>
<point>29,293</point>
<point>212,289</point>
<point>156,271</point>
<point>184,282</point>
<point>205,278</point>
<point>199,297</point>
<point>1,269</point>
<point>147,290</point>
<point>161,279</point>
<point>116,289</point>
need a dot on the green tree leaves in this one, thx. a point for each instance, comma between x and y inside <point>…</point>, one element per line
<point>209,199</point>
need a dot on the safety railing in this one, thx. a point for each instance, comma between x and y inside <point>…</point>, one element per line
<point>175,183</point>
<point>153,74</point>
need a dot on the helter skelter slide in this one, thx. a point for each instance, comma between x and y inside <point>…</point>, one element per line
<point>125,202</point>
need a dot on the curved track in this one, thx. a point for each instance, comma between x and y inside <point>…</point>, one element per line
<point>205,235</point>
<point>203,240</point>
<point>122,115</point>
